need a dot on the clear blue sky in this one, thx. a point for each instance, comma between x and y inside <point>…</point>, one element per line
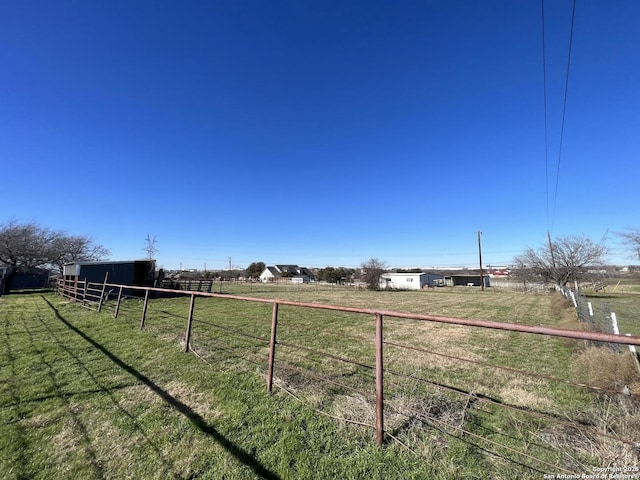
<point>319,132</point>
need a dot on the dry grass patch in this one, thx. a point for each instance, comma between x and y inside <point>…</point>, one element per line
<point>609,440</point>
<point>605,369</point>
<point>354,408</point>
<point>443,340</point>
<point>143,395</point>
<point>528,393</point>
<point>564,311</point>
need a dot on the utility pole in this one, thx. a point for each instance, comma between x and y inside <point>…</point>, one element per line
<point>553,258</point>
<point>480,257</point>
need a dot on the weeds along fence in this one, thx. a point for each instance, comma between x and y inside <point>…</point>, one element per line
<point>429,383</point>
<point>599,316</point>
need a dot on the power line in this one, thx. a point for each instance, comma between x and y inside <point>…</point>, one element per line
<point>564,112</point>
<point>546,129</point>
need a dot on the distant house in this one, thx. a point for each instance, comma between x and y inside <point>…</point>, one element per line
<point>294,273</point>
<point>407,281</point>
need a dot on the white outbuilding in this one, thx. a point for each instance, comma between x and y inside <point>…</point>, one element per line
<point>407,281</point>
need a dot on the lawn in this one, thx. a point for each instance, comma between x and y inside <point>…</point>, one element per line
<point>84,395</point>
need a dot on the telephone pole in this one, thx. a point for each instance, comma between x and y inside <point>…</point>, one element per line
<point>480,258</point>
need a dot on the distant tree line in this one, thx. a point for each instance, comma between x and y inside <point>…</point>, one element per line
<point>335,275</point>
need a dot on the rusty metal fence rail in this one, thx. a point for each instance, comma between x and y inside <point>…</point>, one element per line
<point>274,348</point>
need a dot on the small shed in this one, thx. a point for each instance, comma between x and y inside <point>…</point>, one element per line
<point>407,281</point>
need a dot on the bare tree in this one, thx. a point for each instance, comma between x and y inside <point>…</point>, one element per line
<point>566,259</point>
<point>632,238</point>
<point>24,246</point>
<point>67,249</point>
<point>372,269</point>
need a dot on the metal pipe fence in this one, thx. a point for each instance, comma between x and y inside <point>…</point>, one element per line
<point>397,386</point>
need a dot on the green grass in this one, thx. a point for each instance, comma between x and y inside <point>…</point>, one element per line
<point>83,395</point>
<point>86,396</point>
<point>626,306</point>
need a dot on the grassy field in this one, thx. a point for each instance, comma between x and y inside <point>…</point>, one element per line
<point>626,305</point>
<point>83,395</point>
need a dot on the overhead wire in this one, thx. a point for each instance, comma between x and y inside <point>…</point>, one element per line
<point>564,112</point>
<point>546,127</point>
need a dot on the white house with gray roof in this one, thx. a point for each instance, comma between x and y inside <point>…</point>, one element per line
<point>293,272</point>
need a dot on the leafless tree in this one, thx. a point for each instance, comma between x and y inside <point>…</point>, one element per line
<point>632,238</point>
<point>24,246</point>
<point>372,269</point>
<point>67,249</point>
<point>566,259</point>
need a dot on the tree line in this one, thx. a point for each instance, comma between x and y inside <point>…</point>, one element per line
<point>28,246</point>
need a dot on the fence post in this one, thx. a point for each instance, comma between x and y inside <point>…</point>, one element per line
<point>187,337</point>
<point>379,383</point>
<point>614,323</point>
<point>272,347</point>
<point>84,292</point>
<point>104,286</point>
<point>115,314</point>
<point>144,308</point>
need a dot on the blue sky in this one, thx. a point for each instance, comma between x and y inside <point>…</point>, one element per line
<point>319,133</point>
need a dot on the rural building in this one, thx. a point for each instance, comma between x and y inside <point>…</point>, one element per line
<point>466,280</point>
<point>29,279</point>
<point>136,272</point>
<point>294,273</point>
<point>408,281</point>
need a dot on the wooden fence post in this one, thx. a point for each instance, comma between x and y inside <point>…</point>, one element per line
<point>272,347</point>
<point>104,286</point>
<point>144,308</point>
<point>187,337</point>
<point>379,383</point>
<point>115,314</point>
<point>84,292</point>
